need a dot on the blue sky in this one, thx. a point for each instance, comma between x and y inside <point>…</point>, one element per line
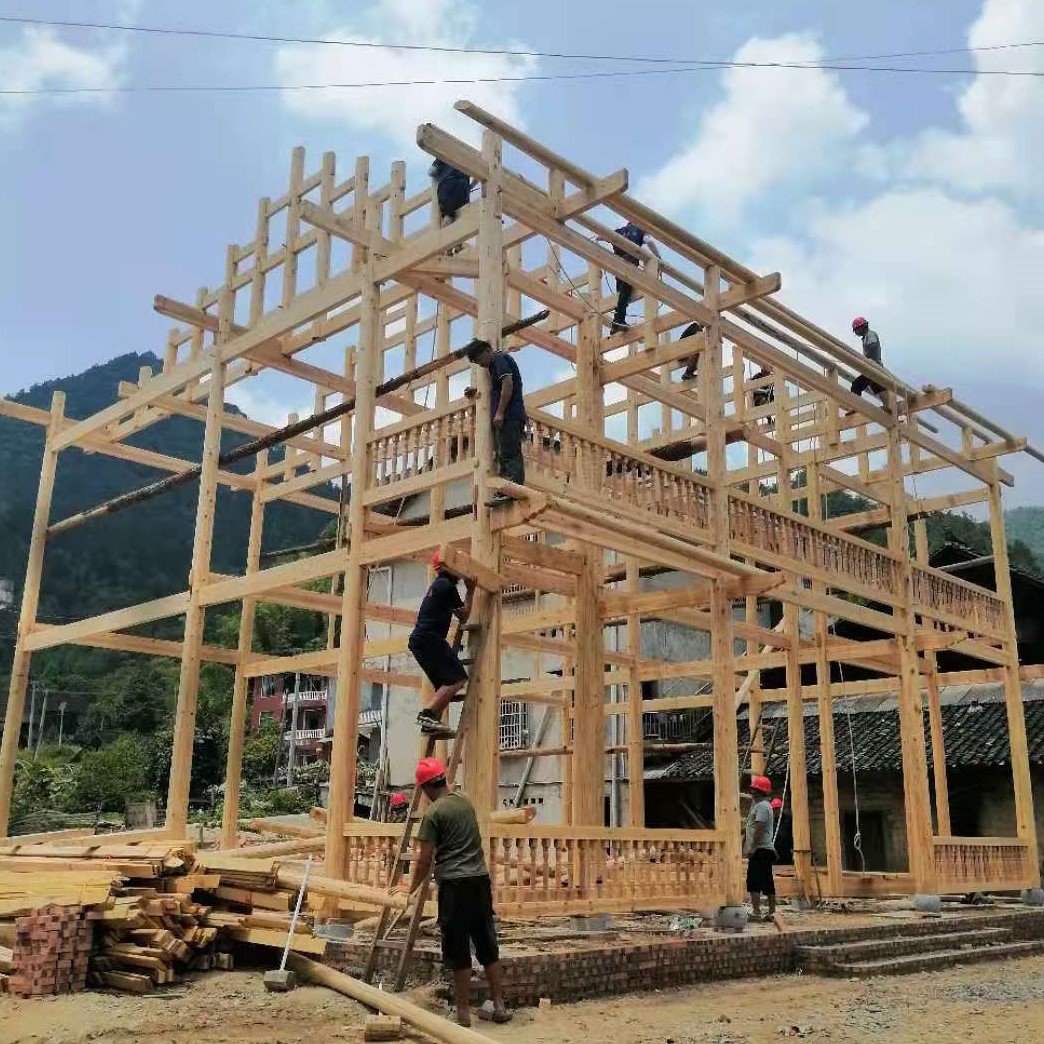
<point>914,199</point>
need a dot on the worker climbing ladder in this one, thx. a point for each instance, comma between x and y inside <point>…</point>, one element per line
<point>405,854</point>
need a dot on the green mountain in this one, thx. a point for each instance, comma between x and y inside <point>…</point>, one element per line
<point>139,553</point>
<point>1026,525</point>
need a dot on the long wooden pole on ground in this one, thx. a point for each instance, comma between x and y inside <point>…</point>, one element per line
<point>27,614</point>
<point>383,1000</point>
<point>241,685</point>
<point>188,682</point>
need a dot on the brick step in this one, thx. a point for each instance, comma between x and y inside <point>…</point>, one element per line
<point>903,928</point>
<point>918,962</point>
<point>812,958</point>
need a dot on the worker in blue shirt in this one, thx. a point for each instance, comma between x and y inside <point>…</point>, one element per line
<point>507,408</point>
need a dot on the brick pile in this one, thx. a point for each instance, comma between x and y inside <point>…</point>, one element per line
<point>52,947</point>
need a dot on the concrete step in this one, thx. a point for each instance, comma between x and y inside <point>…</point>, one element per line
<point>814,958</point>
<point>938,959</point>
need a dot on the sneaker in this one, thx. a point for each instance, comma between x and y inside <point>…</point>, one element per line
<point>618,327</point>
<point>490,1014</point>
<point>688,375</point>
<point>430,725</point>
<point>499,499</point>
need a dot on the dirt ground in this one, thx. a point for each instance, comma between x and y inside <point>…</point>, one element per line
<point>1001,1003</point>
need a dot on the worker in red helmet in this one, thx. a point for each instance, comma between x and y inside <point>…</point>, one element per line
<point>759,847</point>
<point>398,808</point>
<point>430,648</point>
<point>871,351</point>
<point>449,836</point>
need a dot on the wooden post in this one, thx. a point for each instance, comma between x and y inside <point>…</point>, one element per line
<point>481,763</point>
<point>27,615</point>
<point>911,717</point>
<point>353,620</point>
<point>726,740</point>
<point>825,708</point>
<point>188,682</point>
<point>1025,823</point>
<point>589,689</point>
<point>635,721</point>
<point>935,724</point>
<point>800,817</point>
<point>241,687</point>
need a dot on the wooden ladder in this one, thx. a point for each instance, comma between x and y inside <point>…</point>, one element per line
<point>405,856</point>
<point>755,727</point>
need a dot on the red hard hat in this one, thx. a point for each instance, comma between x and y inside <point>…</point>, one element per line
<point>762,783</point>
<point>436,558</point>
<point>428,770</point>
<point>398,800</point>
<point>859,322</point>
<point>776,803</point>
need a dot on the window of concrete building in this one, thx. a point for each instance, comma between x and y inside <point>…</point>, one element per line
<point>514,725</point>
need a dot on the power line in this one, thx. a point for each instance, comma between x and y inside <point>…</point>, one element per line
<point>449,49</point>
<point>247,88</point>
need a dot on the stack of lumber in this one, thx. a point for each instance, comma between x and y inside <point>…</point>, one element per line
<point>127,898</point>
<point>150,937</point>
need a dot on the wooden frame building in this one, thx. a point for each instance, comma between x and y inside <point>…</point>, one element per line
<point>628,471</point>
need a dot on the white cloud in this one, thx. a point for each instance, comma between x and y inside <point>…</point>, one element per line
<point>38,58</point>
<point>395,112</point>
<point>951,286</point>
<point>773,127</point>
<point>1000,145</point>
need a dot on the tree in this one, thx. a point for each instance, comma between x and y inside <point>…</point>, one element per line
<point>106,778</point>
<point>260,753</point>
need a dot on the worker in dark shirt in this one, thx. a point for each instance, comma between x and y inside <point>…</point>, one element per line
<point>871,350</point>
<point>449,836</point>
<point>431,650</point>
<point>452,190</point>
<point>763,396</point>
<point>692,364</point>
<point>624,290</point>
<point>507,409</point>
<point>398,808</point>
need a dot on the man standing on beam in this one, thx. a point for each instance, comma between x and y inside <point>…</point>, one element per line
<point>507,409</point>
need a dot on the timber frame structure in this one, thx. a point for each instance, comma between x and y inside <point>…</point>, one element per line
<point>729,488</point>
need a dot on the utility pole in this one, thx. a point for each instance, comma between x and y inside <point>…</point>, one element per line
<point>61,721</point>
<point>291,758</point>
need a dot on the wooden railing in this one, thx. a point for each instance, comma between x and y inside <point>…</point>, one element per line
<point>783,539</point>
<point>957,602</point>
<point>561,870</point>
<point>404,457</point>
<point>613,472</point>
<point>978,864</point>
<point>547,871</point>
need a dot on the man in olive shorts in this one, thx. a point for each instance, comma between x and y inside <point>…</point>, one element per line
<point>449,834</point>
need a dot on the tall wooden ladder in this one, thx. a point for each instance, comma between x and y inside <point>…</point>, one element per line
<point>755,727</point>
<point>405,855</point>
